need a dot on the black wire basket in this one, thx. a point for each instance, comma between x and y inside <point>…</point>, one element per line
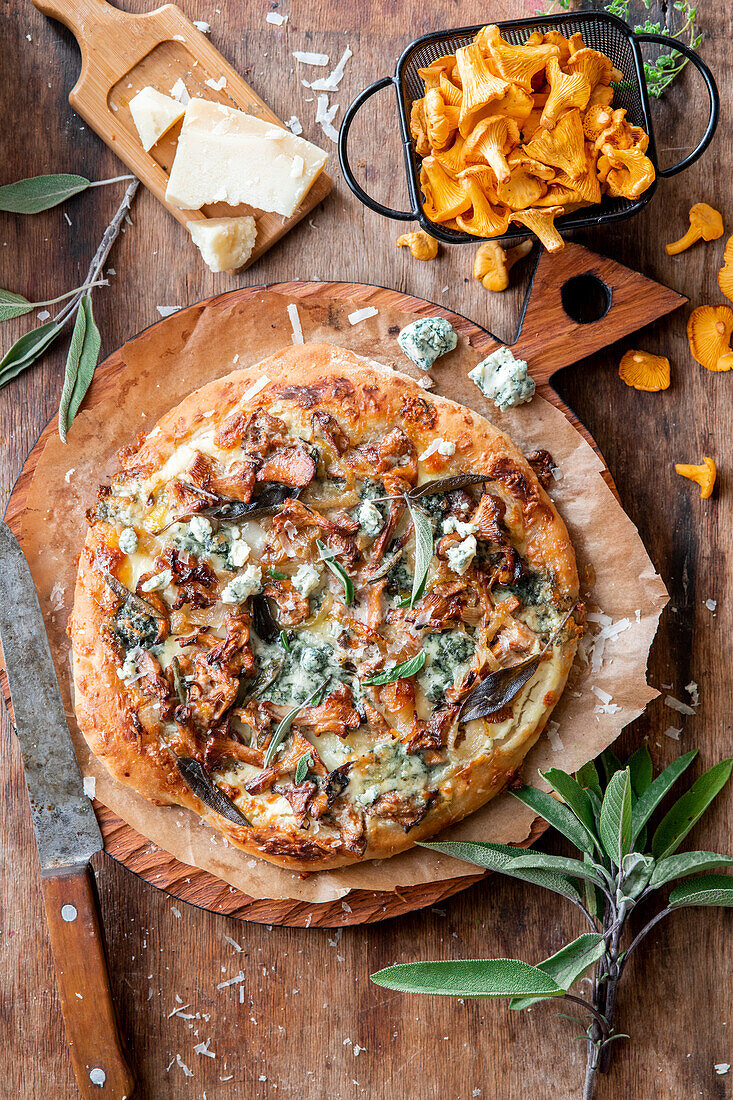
<point>600,31</point>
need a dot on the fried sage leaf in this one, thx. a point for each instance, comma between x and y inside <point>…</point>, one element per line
<point>498,689</point>
<point>445,485</point>
<point>203,787</point>
<point>329,560</point>
<point>262,620</point>
<point>399,672</point>
<point>272,497</point>
<point>179,684</point>
<point>142,607</point>
<point>301,768</point>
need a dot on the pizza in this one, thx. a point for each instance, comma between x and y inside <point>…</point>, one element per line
<point>325,610</point>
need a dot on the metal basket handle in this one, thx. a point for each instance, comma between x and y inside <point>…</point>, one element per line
<point>713,97</point>
<point>377,207</point>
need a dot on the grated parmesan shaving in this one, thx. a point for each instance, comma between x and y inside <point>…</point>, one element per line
<point>331,82</point>
<point>276,18</point>
<point>673,733</point>
<point>295,322</point>
<point>694,693</point>
<point>202,25</point>
<point>430,450</point>
<point>362,314</point>
<point>554,737</point>
<point>179,91</point>
<point>293,124</point>
<point>256,387</point>
<point>325,116</point>
<point>216,85</point>
<point>179,1061</point>
<point>606,708</point>
<point>711,604</point>
<point>232,981</point>
<point>233,943</point>
<point>168,311</point>
<point>44,315</point>
<point>311,58</point>
<point>601,694</point>
<point>203,1048</point>
<point>676,704</point>
<point>90,786</point>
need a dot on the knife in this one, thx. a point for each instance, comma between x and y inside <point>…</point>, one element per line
<point>67,835</point>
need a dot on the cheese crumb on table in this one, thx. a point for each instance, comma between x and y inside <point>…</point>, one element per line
<point>224,243</point>
<point>503,379</point>
<point>425,340</point>
<point>276,18</point>
<point>362,314</point>
<point>179,91</point>
<point>225,155</point>
<point>153,114</point>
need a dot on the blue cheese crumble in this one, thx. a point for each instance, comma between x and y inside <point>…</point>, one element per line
<point>369,518</point>
<point>247,583</point>
<point>503,379</point>
<point>425,340</point>
<point>462,554</point>
<point>128,541</point>
<point>306,578</point>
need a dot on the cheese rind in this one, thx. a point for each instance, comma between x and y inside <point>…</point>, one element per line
<point>225,243</point>
<point>225,155</point>
<point>153,114</point>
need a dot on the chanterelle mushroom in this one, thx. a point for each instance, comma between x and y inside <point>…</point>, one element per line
<point>492,264</point>
<point>704,475</point>
<point>709,330</point>
<point>421,245</point>
<point>706,224</point>
<point>644,371</point>
<point>725,275</point>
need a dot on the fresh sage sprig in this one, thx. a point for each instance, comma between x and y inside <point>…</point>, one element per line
<point>329,560</point>
<point>283,729</point>
<point>605,813</point>
<point>28,196</point>
<point>423,550</point>
<point>399,672</point>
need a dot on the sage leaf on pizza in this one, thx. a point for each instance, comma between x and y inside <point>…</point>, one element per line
<point>285,617</point>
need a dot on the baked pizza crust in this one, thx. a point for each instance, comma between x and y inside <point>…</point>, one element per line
<point>365,397</point>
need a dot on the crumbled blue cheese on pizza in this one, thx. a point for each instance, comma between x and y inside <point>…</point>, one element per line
<point>246,583</point>
<point>369,518</point>
<point>239,552</point>
<point>461,555</point>
<point>128,540</point>
<point>157,582</point>
<point>503,379</point>
<point>449,657</point>
<point>306,579</point>
<point>200,528</point>
<point>425,340</point>
<point>454,524</point>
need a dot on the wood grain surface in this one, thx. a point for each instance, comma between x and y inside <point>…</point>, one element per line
<point>283,1029</point>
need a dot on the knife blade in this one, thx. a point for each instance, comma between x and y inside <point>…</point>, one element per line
<point>66,828</point>
<point>67,835</point>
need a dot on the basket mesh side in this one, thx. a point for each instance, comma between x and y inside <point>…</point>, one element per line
<point>598,34</point>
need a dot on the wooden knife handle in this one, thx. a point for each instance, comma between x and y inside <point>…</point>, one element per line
<point>97,1054</point>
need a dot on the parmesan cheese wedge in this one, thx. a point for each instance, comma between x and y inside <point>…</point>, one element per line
<point>225,243</point>
<point>225,155</point>
<point>154,113</point>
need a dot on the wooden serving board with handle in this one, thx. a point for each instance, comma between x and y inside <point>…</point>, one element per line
<point>575,280</point>
<point>123,53</point>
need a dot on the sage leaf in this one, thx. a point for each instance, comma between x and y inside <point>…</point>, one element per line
<point>706,890</point>
<point>37,193</point>
<point>179,684</point>
<point>636,871</point>
<point>194,776</point>
<point>445,485</point>
<point>656,791</point>
<point>543,861</point>
<point>501,858</point>
<point>423,551</point>
<point>688,810</point>
<point>568,965</point>
<point>587,776</point>
<point>29,347</point>
<point>72,368</point>
<point>87,361</point>
<point>572,795</point>
<point>13,305</point>
<point>686,863</point>
<point>559,816</point>
<point>469,978</point>
<point>282,730</point>
<point>593,897</point>
<point>641,771</point>
<point>615,823</point>
<point>301,768</point>
<point>271,497</point>
<point>498,689</point>
<point>399,672</point>
<point>610,764</point>
<point>329,560</point>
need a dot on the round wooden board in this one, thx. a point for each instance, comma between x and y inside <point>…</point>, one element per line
<point>154,864</point>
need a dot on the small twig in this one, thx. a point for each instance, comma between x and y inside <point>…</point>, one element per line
<point>635,942</point>
<point>115,179</point>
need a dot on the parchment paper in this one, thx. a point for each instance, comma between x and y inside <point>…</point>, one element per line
<point>163,365</point>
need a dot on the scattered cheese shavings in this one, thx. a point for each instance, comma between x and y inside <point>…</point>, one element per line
<point>216,85</point>
<point>711,604</point>
<point>346,908</point>
<point>179,1061</point>
<point>294,316</point>
<point>722,1068</point>
<point>325,116</point>
<point>256,387</point>
<point>331,82</point>
<point>233,943</point>
<point>90,786</point>
<point>168,311</point>
<point>293,124</point>
<point>358,1050</point>
<point>429,451</point>
<point>203,1048</point>
<point>694,693</point>
<point>67,475</point>
<point>202,25</point>
<point>232,981</point>
<point>599,617</point>
<point>44,315</point>
<point>606,708</point>
<point>426,382</point>
<point>362,314</point>
<point>68,219</point>
<point>276,18</point>
<point>176,912</point>
<point>179,91</point>
<point>310,58</point>
<point>675,704</point>
<point>673,732</point>
<point>601,694</point>
<point>554,737</point>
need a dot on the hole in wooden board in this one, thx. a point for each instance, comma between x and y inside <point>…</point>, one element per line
<point>586,298</point>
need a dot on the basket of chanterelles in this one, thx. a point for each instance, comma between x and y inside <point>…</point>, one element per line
<point>516,126</point>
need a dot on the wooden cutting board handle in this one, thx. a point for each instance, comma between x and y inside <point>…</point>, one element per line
<point>85,17</point>
<point>97,1054</point>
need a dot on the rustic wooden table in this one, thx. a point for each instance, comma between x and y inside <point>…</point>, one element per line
<point>306,1020</point>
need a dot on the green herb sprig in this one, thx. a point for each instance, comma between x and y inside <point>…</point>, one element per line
<point>399,672</point>
<point>605,813</point>
<point>660,72</point>
<point>31,196</point>
<point>329,560</point>
<point>284,728</point>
